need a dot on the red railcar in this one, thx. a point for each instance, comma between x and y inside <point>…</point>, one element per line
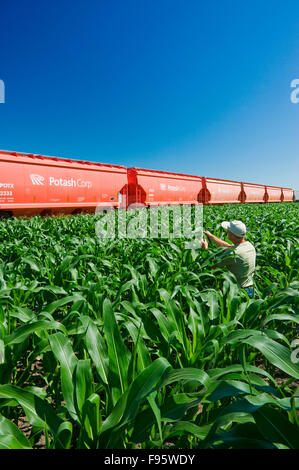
<point>274,194</point>
<point>217,191</point>
<point>254,192</point>
<point>153,188</point>
<point>288,195</point>
<point>34,184</point>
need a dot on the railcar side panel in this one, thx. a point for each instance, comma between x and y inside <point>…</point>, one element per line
<point>254,192</point>
<point>223,192</point>
<point>30,185</point>
<point>288,195</point>
<point>156,188</point>
<point>274,194</point>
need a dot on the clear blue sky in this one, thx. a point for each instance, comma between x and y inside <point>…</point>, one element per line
<point>188,86</point>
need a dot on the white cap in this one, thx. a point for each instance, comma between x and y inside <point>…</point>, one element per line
<point>236,227</point>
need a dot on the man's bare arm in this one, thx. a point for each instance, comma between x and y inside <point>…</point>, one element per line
<point>217,240</point>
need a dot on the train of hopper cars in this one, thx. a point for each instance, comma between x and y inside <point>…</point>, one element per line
<point>36,184</point>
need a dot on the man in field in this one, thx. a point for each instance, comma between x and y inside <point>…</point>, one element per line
<point>239,257</point>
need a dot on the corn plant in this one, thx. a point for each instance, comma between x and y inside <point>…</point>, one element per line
<point>137,343</point>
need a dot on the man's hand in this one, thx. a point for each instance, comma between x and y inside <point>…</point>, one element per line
<point>216,240</point>
<point>204,244</point>
<point>207,233</point>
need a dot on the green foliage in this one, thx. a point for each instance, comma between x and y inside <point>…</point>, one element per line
<point>126,343</point>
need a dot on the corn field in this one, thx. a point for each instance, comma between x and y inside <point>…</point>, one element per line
<point>125,344</point>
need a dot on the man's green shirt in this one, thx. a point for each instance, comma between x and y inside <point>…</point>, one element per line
<point>240,260</point>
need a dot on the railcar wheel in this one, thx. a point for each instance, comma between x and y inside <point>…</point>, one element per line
<point>5,215</point>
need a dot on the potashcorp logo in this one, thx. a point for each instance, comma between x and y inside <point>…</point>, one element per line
<point>70,182</point>
<point>37,180</point>
<point>62,182</point>
<point>164,187</point>
<point>2,92</point>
